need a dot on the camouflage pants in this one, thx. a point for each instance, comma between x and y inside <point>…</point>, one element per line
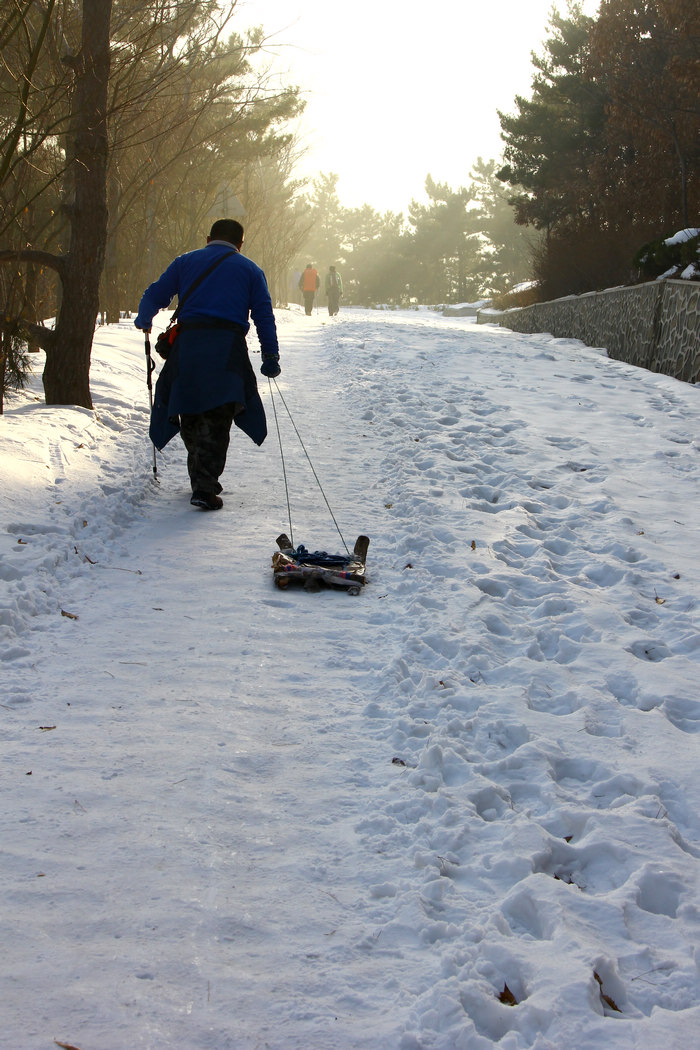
<point>206,438</point>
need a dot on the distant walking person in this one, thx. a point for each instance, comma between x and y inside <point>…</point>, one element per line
<point>309,282</point>
<point>207,382</point>
<point>334,290</point>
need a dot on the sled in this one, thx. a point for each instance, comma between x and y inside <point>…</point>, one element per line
<point>317,569</point>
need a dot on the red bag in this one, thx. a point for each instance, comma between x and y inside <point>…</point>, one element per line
<point>165,340</point>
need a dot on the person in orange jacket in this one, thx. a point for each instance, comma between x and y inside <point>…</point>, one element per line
<point>309,282</point>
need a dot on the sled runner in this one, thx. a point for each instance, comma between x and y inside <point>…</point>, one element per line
<point>316,569</point>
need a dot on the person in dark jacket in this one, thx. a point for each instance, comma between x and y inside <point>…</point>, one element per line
<point>334,290</point>
<point>207,382</point>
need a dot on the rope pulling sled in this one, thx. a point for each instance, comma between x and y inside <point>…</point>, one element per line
<point>313,569</point>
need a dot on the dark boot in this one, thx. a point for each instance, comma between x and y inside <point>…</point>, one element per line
<point>206,500</point>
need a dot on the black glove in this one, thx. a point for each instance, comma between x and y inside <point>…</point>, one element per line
<point>270,366</point>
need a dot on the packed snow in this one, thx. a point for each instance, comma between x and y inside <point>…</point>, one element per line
<point>458,811</point>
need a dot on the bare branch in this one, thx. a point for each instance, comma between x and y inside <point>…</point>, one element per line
<point>36,256</point>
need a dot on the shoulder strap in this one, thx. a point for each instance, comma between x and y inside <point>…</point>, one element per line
<point>196,283</point>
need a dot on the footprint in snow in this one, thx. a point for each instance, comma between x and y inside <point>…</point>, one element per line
<point>650,650</point>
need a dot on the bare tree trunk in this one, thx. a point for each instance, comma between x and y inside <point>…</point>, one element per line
<point>4,342</point>
<point>67,371</point>
<point>110,278</point>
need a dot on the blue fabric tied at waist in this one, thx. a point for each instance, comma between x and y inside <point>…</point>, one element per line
<point>208,366</point>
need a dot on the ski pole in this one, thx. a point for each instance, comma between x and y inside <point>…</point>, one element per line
<point>150,369</point>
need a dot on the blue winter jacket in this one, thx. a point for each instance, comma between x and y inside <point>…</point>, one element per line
<point>209,365</point>
<point>235,290</point>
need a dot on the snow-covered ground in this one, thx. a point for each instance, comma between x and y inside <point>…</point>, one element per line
<point>458,811</point>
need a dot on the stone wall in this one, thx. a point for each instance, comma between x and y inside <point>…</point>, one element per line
<point>654,326</point>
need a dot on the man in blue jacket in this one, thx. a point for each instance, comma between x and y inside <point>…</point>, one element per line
<point>207,382</point>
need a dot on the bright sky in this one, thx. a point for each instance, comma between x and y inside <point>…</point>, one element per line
<point>397,89</point>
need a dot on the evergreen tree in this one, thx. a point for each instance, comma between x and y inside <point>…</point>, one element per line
<point>505,250</point>
<point>606,149</point>
<point>146,106</point>
<point>68,345</point>
<point>646,54</point>
<point>325,214</point>
<point>552,139</point>
<point>445,245</point>
<point>377,258</point>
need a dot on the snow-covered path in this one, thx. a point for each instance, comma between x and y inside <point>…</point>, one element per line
<point>257,818</point>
